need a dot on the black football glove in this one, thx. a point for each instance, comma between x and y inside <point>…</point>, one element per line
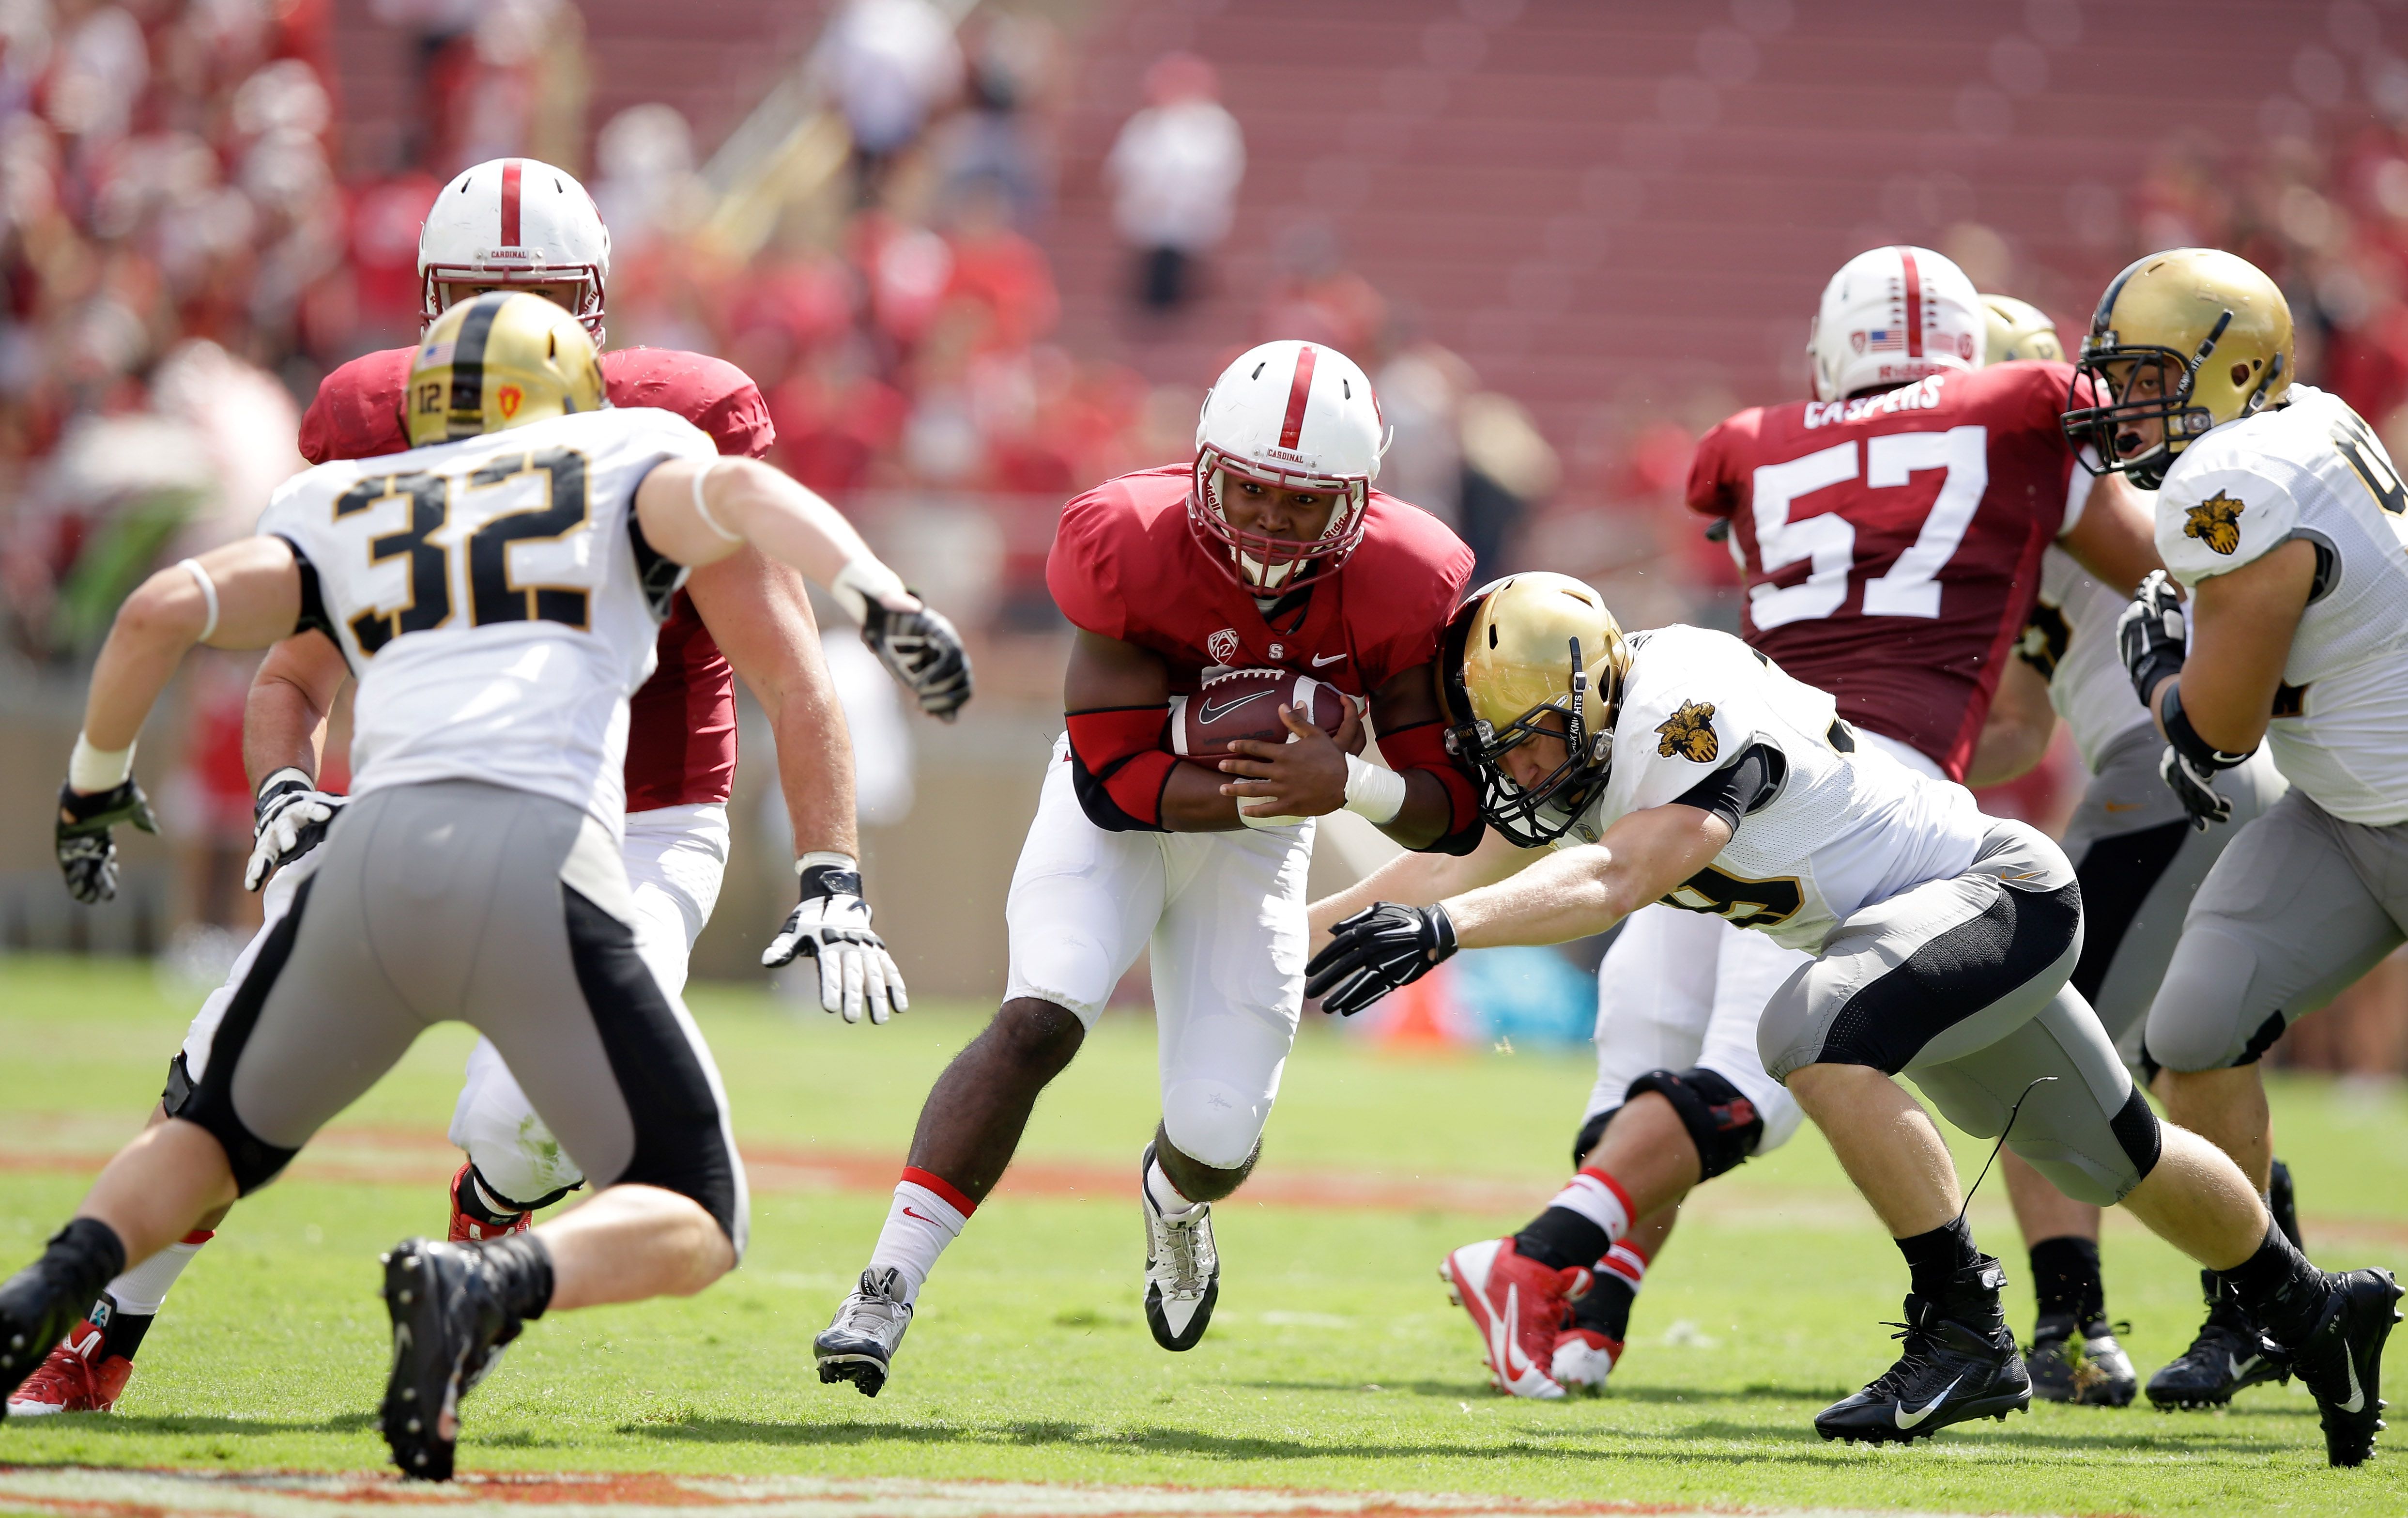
<point>923,653</point>
<point>1375,951</point>
<point>2149,634</point>
<point>87,854</point>
<point>832,926</point>
<point>290,817</point>
<point>2194,788</point>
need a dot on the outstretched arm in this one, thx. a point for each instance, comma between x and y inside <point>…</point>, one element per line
<point>257,588</point>
<point>1423,879</point>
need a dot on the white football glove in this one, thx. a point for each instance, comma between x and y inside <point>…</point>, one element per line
<point>292,817</point>
<point>832,926</point>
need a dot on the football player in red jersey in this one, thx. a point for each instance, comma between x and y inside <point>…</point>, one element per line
<point>1890,534</point>
<point>519,224</point>
<point>1272,550</point>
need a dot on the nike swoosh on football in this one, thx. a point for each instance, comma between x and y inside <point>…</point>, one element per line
<point>1909,1420</point>
<point>1318,659</point>
<point>1207,712</point>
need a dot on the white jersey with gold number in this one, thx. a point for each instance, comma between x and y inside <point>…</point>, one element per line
<point>492,597</point>
<point>2072,640</point>
<point>2311,469</point>
<point>1848,825</point>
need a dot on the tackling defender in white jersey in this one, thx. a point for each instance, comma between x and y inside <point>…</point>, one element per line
<point>500,596</point>
<point>1679,762</point>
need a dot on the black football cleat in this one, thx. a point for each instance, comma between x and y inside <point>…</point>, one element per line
<point>2341,1361</point>
<point>2081,1364</point>
<point>1959,1363</point>
<point>2229,1356</point>
<point>448,1326</point>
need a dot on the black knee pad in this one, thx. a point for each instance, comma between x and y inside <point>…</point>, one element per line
<point>210,1103</point>
<point>2136,1132</point>
<point>1722,1122</point>
<point>1590,1132</point>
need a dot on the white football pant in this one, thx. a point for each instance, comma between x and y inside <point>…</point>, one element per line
<point>1224,915</point>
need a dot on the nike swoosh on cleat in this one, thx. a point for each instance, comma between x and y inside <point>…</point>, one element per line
<point>1909,1420</point>
<point>2357,1402</point>
<point>2242,1368</point>
<point>1207,712</point>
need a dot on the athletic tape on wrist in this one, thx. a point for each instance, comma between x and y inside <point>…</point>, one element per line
<point>90,769</point>
<point>208,594</point>
<point>702,509</point>
<point>862,581</point>
<point>1372,791</point>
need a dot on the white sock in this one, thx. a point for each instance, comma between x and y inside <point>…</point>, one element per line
<point>928,1214</point>
<point>143,1290</point>
<point>1173,1202</point>
<point>1600,1199</point>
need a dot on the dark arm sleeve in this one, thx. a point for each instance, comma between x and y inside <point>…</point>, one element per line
<point>1740,786</point>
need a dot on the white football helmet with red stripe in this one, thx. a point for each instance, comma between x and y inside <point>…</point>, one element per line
<point>1891,315</point>
<point>1296,416</point>
<point>513,221</point>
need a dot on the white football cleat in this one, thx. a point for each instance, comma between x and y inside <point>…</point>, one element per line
<point>1183,1269</point>
<point>1584,1359</point>
<point>858,1345</point>
<point>1516,1306</point>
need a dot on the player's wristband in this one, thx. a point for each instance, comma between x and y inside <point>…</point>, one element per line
<point>1373,791</point>
<point>824,872</point>
<point>862,581</point>
<point>91,769</point>
<point>2200,754</point>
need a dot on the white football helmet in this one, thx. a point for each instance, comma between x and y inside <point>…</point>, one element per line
<point>514,220</point>
<point>1298,416</point>
<point>1891,315</point>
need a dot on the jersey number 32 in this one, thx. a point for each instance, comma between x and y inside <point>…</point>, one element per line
<point>560,508</point>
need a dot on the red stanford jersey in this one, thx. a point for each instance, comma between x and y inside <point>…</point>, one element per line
<point>1126,565</point>
<point>681,728</point>
<point>1891,545</point>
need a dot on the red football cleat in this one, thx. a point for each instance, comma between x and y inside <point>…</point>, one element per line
<point>469,1230</point>
<point>1517,1306</point>
<point>1584,1359</point>
<point>70,1381</point>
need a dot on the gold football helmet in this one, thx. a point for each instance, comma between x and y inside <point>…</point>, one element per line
<point>502,360</point>
<point>2019,329</point>
<point>2187,339</point>
<point>1526,655</point>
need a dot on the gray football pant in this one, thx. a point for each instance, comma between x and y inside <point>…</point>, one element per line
<point>2301,905</point>
<point>499,908</point>
<point>2140,863</point>
<point>1960,983</point>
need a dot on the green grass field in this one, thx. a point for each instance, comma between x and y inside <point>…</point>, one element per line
<point>1334,1360</point>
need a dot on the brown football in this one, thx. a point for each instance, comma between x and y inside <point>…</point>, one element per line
<point>1244,703</point>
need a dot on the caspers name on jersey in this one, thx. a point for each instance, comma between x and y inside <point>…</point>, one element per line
<point>1923,395</point>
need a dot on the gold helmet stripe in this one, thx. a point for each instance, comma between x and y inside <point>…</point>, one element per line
<point>467,418</point>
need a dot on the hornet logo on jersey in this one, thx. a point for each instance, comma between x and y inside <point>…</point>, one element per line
<point>2215,522</point>
<point>1690,733</point>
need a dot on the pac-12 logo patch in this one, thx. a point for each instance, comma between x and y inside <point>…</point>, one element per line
<point>509,397</point>
<point>2215,522</point>
<point>1690,733</point>
<point>1222,645</point>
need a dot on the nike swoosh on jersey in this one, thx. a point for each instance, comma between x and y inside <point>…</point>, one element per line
<point>1909,1420</point>
<point>1320,660</point>
<point>1207,712</point>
